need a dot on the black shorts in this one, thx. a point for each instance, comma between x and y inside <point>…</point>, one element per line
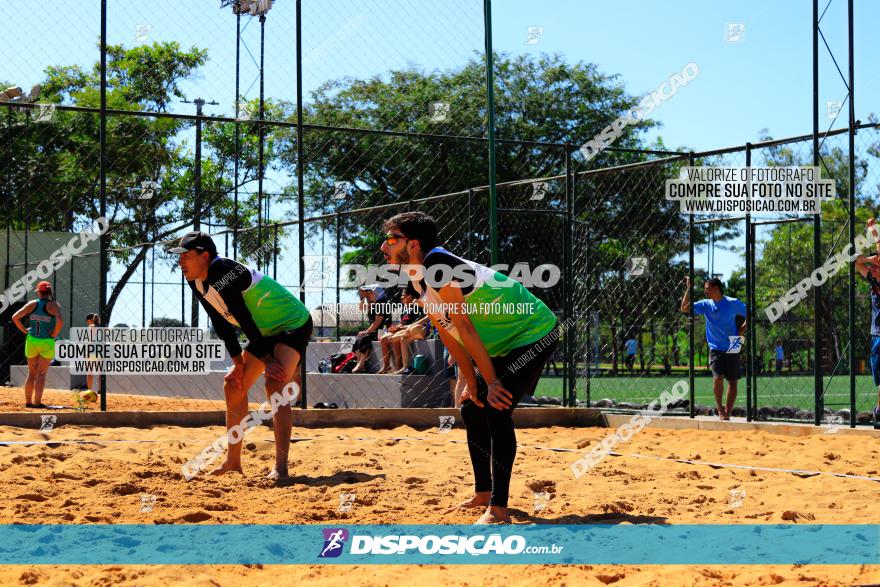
<point>364,342</point>
<point>297,339</point>
<point>521,368</point>
<point>725,365</point>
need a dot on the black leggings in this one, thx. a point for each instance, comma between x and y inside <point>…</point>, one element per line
<point>490,434</point>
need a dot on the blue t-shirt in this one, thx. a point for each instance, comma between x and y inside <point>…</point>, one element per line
<point>780,353</point>
<point>632,346</point>
<point>875,304</point>
<point>720,320</point>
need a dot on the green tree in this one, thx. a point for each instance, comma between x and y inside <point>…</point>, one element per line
<point>537,99</point>
<point>54,166</point>
<point>785,256</point>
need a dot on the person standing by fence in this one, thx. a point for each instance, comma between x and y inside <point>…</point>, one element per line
<point>632,347</point>
<point>869,268</point>
<point>45,322</point>
<point>780,356</point>
<point>725,325</point>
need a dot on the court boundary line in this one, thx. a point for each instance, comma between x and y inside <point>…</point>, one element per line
<point>803,473</point>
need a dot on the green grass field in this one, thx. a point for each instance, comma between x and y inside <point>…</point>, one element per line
<point>794,391</point>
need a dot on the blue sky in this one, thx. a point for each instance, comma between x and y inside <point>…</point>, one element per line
<point>762,81</point>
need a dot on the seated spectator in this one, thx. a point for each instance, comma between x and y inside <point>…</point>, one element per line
<point>390,361</point>
<point>391,352</point>
<point>401,340</point>
<point>374,303</point>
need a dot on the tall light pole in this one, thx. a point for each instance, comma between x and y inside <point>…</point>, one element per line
<point>253,8</point>
<point>197,168</point>
<point>197,185</point>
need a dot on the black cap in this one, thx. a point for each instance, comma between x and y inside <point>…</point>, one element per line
<point>195,241</point>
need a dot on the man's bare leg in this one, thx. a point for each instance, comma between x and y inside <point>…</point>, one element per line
<point>731,397</point>
<point>718,388</point>
<point>237,409</point>
<point>876,410</point>
<point>282,420</point>
<point>494,515</point>
<point>479,500</point>
<point>297,378</point>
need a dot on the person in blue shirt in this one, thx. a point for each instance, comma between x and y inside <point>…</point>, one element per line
<point>725,325</point>
<point>869,268</point>
<point>632,346</point>
<point>780,356</point>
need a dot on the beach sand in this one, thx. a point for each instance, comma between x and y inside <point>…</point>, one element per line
<point>12,400</point>
<point>406,475</point>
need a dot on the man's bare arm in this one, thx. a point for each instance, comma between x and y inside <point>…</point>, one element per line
<point>862,264</point>
<point>686,300</point>
<point>872,226</point>
<point>470,340</point>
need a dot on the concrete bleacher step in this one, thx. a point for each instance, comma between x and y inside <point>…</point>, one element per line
<point>360,390</point>
<point>349,390</point>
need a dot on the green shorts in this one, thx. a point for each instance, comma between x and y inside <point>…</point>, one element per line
<point>33,346</point>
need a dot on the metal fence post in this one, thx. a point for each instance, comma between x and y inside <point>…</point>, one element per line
<point>753,407</point>
<point>338,259</point>
<point>750,314</point>
<point>693,394</point>
<point>568,285</point>
<point>817,234</point>
<point>300,150</point>
<point>275,252</point>
<point>103,261</point>
<point>852,220</point>
<point>490,95</point>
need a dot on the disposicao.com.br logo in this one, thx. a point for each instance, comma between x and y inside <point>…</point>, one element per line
<point>402,544</point>
<point>334,541</point>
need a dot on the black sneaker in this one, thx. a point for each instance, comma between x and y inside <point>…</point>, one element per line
<point>876,413</point>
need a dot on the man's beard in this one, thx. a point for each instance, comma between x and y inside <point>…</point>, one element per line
<point>404,257</point>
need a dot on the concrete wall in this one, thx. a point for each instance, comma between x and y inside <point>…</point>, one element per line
<point>76,283</point>
<point>350,390</point>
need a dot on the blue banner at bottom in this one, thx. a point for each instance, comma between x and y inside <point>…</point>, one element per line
<point>750,544</point>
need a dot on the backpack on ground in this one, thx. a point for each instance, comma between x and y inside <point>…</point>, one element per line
<point>346,364</point>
